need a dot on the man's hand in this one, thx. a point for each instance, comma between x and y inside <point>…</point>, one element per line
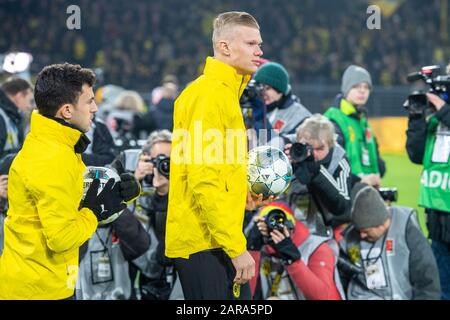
<point>254,203</point>
<point>144,167</point>
<point>245,268</point>
<point>436,101</point>
<point>372,179</point>
<point>262,225</point>
<point>129,187</point>
<point>109,197</point>
<point>282,242</point>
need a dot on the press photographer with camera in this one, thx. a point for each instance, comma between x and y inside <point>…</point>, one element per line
<point>428,143</point>
<point>292,264</point>
<point>390,258</point>
<point>284,110</point>
<point>157,277</point>
<point>320,164</point>
<point>349,116</point>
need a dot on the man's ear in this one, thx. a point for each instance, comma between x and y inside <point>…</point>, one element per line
<point>65,112</point>
<point>224,47</point>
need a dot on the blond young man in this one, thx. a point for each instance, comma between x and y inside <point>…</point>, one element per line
<point>207,196</point>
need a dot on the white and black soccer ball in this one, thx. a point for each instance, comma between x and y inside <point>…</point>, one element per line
<point>103,174</point>
<point>269,171</point>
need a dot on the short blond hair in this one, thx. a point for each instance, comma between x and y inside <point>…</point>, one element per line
<point>317,127</point>
<point>224,21</point>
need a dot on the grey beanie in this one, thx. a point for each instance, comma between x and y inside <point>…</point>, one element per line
<point>368,208</point>
<point>352,76</point>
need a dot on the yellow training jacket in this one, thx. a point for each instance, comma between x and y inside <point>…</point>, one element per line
<point>208,175</point>
<point>44,228</point>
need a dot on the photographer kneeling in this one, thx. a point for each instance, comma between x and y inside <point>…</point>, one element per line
<point>293,264</point>
<point>386,244</point>
<point>321,165</point>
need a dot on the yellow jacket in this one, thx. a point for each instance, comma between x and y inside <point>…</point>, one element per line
<point>44,228</point>
<point>208,185</point>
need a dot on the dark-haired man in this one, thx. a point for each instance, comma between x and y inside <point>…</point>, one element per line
<point>46,224</point>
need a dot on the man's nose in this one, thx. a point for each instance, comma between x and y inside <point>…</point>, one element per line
<point>95,108</point>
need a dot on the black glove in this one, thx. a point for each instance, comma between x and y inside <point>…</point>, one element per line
<point>287,250</point>
<point>129,187</point>
<point>306,170</point>
<point>109,197</point>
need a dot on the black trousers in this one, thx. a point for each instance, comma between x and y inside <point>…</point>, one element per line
<point>208,275</point>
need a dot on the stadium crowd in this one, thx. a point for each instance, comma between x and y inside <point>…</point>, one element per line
<point>137,44</point>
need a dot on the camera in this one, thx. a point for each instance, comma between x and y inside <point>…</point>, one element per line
<point>439,85</point>
<point>162,164</point>
<point>300,152</point>
<point>252,91</point>
<point>389,194</point>
<point>277,220</point>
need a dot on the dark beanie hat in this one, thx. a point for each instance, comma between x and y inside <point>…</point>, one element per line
<point>368,208</point>
<point>352,76</point>
<point>274,75</point>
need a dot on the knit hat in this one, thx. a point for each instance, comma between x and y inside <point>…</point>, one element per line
<point>354,75</point>
<point>274,75</point>
<point>280,207</point>
<point>368,208</point>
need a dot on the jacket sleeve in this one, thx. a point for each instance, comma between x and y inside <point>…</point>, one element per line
<point>208,183</point>
<point>423,271</point>
<point>316,280</point>
<point>416,136</point>
<point>133,239</point>
<point>334,190</point>
<point>65,227</point>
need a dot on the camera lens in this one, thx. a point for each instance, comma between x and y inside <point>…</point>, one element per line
<point>300,152</point>
<point>276,220</point>
<point>164,167</point>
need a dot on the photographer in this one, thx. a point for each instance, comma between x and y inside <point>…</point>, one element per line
<point>284,110</point>
<point>292,263</point>
<point>428,143</point>
<point>391,258</point>
<point>355,135</point>
<point>156,279</point>
<point>320,165</point>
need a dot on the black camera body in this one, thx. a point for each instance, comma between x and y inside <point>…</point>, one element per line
<point>162,164</point>
<point>252,91</point>
<point>439,85</point>
<point>300,152</point>
<point>388,194</point>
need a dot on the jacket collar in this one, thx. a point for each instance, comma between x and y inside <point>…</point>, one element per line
<point>52,129</point>
<point>225,73</point>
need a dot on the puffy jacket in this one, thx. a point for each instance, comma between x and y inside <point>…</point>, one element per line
<point>207,199</point>
<point>44,227</point>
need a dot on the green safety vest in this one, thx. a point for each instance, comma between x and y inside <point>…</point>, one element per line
<point>359,139</point>
<point>435,180</point>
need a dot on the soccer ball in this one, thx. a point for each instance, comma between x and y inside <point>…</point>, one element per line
<point>103,174</point>
<point>269,171</point>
